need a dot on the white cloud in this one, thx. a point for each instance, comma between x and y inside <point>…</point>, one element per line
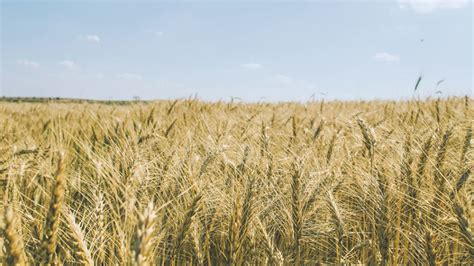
<point>428,6</point>
<point>71,65</point>
<point>386,57</point>
<point>93,38</point>
<point>98,76</point>
<point>406,28</point>
<point>283,79</point>
<point>90,38</point>
<point>252,66</point>
<point>129,76</point>
<point>28,63</point>
<point>155,32</point>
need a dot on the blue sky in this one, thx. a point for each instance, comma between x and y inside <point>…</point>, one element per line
<point>254,50</point>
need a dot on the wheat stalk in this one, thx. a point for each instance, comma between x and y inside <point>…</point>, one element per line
<point>51,227</point>
<point>15,251</point>
<point>78,238</point>
<point>296,214</point>
<point>185,225</point>
<point>143,237</point>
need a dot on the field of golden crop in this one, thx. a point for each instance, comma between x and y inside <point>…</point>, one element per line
<point>188,182</point>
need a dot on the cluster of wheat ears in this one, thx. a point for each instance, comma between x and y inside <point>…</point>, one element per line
<point>189,182</point>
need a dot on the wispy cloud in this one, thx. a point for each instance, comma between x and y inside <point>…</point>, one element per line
<point>155,32</point>
<point>98,76</point>
<point>386,57</point>
<point>428,6</point>
<point>68,64</point>
<point>129,76</point>
<point>27,63</point>
<point>252,66</point>
<point>283,79</point>
<point>406,28</point>
<point>90,38</point>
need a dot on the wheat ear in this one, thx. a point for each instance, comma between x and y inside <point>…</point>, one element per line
<point>51,228</point>
<point>13,241</point>
<point>142,247</point>
<point>79,240</point>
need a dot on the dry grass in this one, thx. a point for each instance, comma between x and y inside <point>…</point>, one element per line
<point>226,183</point>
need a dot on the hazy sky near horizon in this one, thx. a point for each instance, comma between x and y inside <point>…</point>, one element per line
<point>254,50</point>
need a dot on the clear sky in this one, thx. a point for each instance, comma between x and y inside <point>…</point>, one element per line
<point>254,50</point>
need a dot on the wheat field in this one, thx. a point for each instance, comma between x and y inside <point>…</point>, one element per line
<point>189,182</point>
